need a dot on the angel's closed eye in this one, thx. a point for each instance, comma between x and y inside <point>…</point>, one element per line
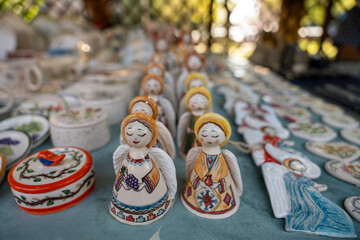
<point>215,136</point>
<point>203,135</point>
<point>129,134</point>
<point>142,135</point>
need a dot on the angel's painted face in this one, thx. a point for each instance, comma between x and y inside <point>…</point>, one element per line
<point>194,62</point>
<point>211,135</point>
<point>196,83</point>
<point>155,71</point>
<point>137,134</point>
<point>152,87</point>
<point>268,130</point>
<point>143,108</point>
<point>198,102</point>
<point>297,165</point>
<point>162,44</point>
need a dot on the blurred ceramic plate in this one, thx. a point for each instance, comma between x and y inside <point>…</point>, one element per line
<point>340,121</point>
<point>293,113</point>
<point>334,150</point>
<point>14,145</point>
<point>352,135</point>
<point>36,126</point>
<point>308,101</point>
<point>312,131</point>
<point>326,108</point>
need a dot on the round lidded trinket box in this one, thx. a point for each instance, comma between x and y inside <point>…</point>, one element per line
<point>87,128</point>
<point>52,180</point>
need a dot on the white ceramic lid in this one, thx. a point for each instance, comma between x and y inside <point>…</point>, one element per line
<point>334,150</point>
<point>78,117</point>
<point>352,135</point>
<point>326,108</point>
<point>340,121</point>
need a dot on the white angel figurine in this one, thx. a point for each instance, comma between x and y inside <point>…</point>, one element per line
<point>198,101</point>
<point>153,86</point>
<point>193,62</point>
<point>214,183</point>
<point>162,46</point>
<point>295,197</point>
<point>145,184</point>
<point>148,106</point>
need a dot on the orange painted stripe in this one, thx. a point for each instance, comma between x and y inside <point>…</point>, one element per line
<point>61,207</point>
<point>33,189</point>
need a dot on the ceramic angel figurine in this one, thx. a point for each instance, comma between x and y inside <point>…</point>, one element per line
<point>145,184</point>
<point>198,101</point>
<point>162,46</point>
<point>295,197</point>
<point>193,80</point>
<point>153,86</point>
<point>148,106</point>
<point>193,62</point>
<point>214,183</point>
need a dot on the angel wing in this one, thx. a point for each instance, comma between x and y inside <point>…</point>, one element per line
<point>271,116</point>
<point>274,180</point>
<point>167,168</point>
<point>166,140</point>
<point>191,159</point>
<point>252,136</point>
<point>182,128</point>
<point>180,84</point>
<point>169,114</point>
<point>240,112</point>
<point>233,166</point>
<point>182,107</point>
<point>169,80</point>
<point>119,156</point>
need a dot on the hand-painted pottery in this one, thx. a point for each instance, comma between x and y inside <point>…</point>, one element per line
<point>341,151</point>
<point>277,99</point>
<point>213,179</point>
<point>7,99</point>
<point>340,121</point>
<point>312,131</point>
<point>145,184</point>
<point>71,99</point>
<point>347,171</point>
<point>293,113</point>
<point>36,126</point>
<point>14,145</point>
<point>42,189</point>
<point>352,135</point>
<point>2,167</point>
<point>295,197</point>
<point>308,101</point>
<point>112,102</point>
<point>87,128</point>
<point>42,104</point>
<point>326,108</point>
<point>352,206</point>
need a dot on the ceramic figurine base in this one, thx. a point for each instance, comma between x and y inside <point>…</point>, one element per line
<point>352,206</point>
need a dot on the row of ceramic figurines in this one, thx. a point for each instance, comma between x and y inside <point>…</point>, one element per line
<point>145,184</point>
<point>287,175</point>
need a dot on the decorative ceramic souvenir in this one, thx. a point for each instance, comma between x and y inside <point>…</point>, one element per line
<point>347,171</point>
<point>352,206</point>
<point>109,101</point>
<point>42,104</point>
<point>312,131</point>
<point>153,86</point>
<point>214,183</point>
<point>162,46</point>
<point>326,108</point>
<point>145,184</point>
<point>14,145</point>
<point>198,101</point>
<point>148,106</point>
<point>40,188</point>
<point>352,135</point>
<point>7,99</point>
<point>295,197</point>
<point>293,113</point>
<point>309,101</point>
<point>36,126</point>
<point>87,128</point>
<point>340,121</point>
<point>278,100</point>
<point>2,167</point>
<point>341,151</point>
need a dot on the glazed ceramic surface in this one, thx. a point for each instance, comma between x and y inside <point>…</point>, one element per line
<point>308,101</point>
<point>87,128</point>
<point>2,167</point>
<point>36,126</point>
<point>293,113</point>
<point>40,189</point>
<point>334,150</point>
<point>42,104</point>
<point>312,131</point>
<point>8,40</point>
<point>7,99</point>
<point>278,100</point>
<point>352,205</point>
<point>352,135</point>
<point>14,145</point>
<point>340,121</point>
<point>326,108</point>
<point>347,171</point>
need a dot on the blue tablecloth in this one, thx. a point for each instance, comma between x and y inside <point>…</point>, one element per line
<point>90,219</point>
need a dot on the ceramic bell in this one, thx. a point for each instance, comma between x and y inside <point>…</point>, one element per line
<point>145,184</point>
<point>153,86</point>
<point>295,197</point>
<point>148,106</point>
<point>214,183</point>
<point>198,101</point>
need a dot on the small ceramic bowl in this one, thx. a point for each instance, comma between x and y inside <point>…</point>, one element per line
<point>87,128</point>
<point>36,126</point>
<point>14,145</point>
<point>42,189</point>
<point>2,167</point>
